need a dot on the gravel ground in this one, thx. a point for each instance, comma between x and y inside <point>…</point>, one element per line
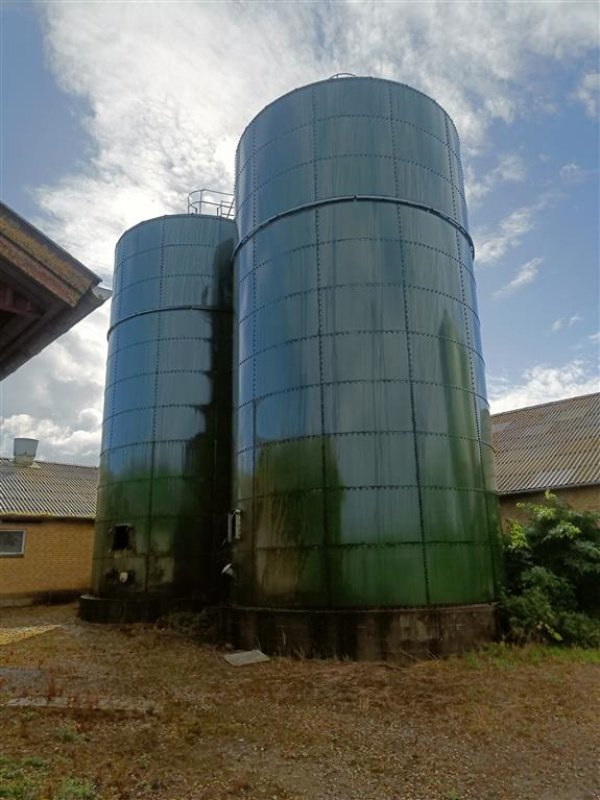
<point>138,712</point>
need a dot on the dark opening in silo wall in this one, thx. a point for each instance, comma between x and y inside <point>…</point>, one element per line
<point>165,463</point>
<point>363,460</point>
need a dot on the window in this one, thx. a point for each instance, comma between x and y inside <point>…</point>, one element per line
<point>122,537</point>
<point>12,543</point>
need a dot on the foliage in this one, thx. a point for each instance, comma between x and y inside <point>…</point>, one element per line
<point>552,589</point>
<point>200,625</point>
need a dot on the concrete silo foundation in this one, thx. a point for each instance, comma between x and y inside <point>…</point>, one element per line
<point>399,634</point>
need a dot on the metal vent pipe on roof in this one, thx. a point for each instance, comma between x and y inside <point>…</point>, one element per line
<point>24,451</point>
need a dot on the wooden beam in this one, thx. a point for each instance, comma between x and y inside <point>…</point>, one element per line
<point>16,303</point>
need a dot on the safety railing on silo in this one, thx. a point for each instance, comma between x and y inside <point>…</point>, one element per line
<point>210,201</point>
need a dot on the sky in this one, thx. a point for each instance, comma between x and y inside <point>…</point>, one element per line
<point>111,112</point>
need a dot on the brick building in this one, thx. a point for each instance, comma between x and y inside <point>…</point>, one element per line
<point>46,510</point>
<point>553,446</point>
<point>46,530</point>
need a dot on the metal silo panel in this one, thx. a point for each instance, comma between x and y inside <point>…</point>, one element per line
<point>363,462</point>
<point>164,472</point>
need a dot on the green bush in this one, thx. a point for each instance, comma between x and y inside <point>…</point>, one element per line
<point>552,563</point>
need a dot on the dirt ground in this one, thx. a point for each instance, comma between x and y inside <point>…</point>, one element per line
<point>140,712</point>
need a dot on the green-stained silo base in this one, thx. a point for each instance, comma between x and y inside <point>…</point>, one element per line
<point>398,634</point>
<point>145,608</point>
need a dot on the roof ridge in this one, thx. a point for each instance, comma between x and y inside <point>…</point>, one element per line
<point>40,462</point>
<point>549,403</point>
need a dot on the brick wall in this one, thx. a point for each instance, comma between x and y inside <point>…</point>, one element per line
<point>57,558</point>
<point>583,498</point>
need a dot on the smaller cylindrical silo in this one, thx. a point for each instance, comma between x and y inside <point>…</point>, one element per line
<point>164,467</point>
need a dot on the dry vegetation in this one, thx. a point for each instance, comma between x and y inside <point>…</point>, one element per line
<point>138,712</point>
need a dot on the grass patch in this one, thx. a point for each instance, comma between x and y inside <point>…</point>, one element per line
<point>67,733</point>
<point>508,656</point>
<point>20,779</point>
<point>294,729</point>
<point>76,789</point>
<point>26,778</point>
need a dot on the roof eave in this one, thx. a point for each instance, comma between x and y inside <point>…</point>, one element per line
<point>55,289</point>
<point>44,332</point>
<point>538,489</point>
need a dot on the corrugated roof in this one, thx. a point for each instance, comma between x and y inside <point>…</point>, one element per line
<point>547,446</point>
<point>540,447</point>
<point>46,489</point>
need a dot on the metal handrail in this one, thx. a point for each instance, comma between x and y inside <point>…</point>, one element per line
<point>211,201</point>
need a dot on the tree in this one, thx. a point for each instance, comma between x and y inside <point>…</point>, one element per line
<point>552,587</point>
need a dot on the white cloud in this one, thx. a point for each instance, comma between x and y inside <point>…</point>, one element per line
<point>542,384</point>
<point>60,443</point>
<point>58,396</point>
<point>89,419</point>
<point>164,122</point>
<point>526,275</point>
<point>565,322</point>
<point>574,173</point>
<point>588,92</point>
<point>170,87</point>
<point>509,169</point>
<point>493,245</point>
<point>482,76</point>
<point>594,338</point>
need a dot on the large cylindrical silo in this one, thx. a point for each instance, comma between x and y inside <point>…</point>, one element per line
<point>165,461</point>
<point>363,462</point>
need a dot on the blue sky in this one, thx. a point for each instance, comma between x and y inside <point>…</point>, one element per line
<point>112,112</point>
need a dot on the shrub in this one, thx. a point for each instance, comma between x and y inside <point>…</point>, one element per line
<point>201,625</point>
<point>552,569</point>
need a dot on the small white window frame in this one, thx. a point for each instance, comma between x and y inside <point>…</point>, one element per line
<point>13,555</point>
